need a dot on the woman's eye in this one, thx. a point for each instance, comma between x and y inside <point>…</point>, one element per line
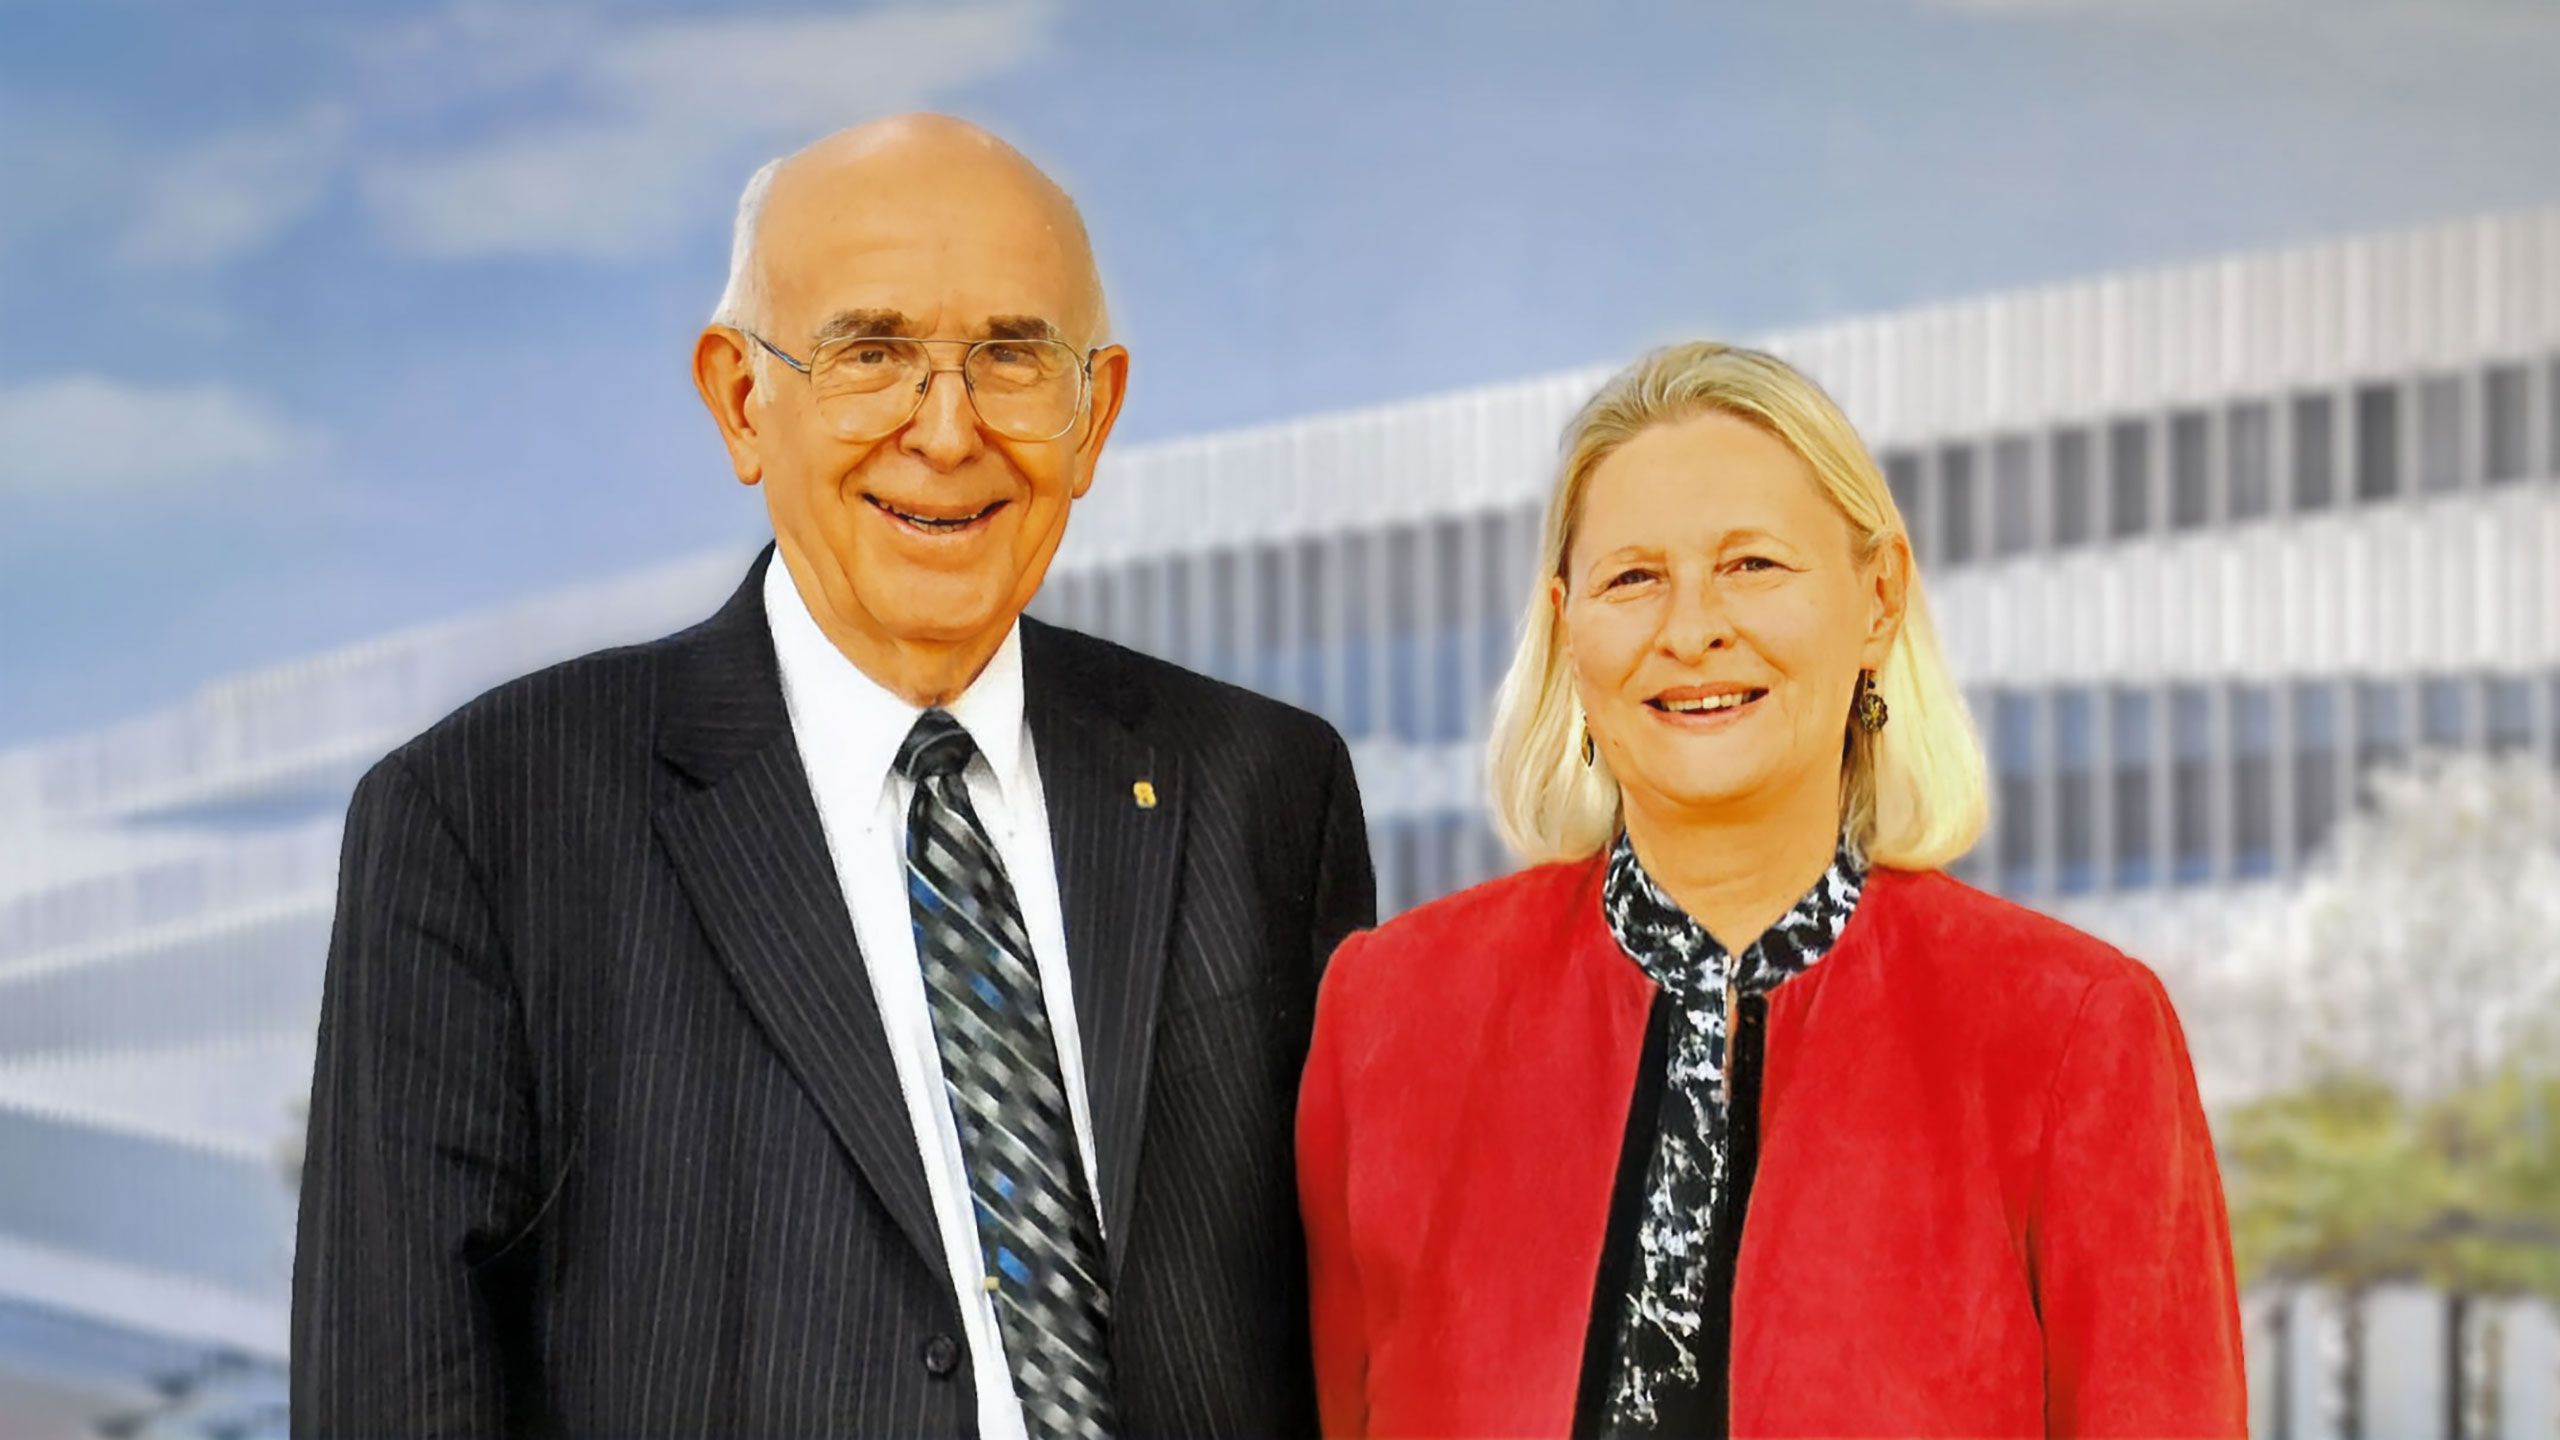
<point>1757,562</point>
<point>1625,576</point>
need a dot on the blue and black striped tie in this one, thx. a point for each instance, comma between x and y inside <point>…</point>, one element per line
<point>1037,1226</point>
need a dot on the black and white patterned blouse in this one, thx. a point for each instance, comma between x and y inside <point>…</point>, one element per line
<point>1656,1349</point>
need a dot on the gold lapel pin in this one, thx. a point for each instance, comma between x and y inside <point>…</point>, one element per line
<point>1146,793</point>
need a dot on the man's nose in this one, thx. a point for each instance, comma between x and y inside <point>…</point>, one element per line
<point>944,430</point>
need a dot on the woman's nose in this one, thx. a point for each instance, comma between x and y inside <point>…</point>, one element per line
<point>1696,622</point>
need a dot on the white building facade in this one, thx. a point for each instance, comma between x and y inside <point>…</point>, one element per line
<point>2206,544</point>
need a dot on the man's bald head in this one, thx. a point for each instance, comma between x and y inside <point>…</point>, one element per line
<point>947,168</point>
<point>915,272</point>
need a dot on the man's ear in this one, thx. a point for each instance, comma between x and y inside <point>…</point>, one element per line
<point>1102,411</point>
<point>725,375</point>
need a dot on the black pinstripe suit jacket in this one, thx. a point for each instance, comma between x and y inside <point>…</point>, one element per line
<point>605,1137</point>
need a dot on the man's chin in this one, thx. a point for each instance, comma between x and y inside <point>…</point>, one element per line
<point>916,621</point>
<point>928,607</point>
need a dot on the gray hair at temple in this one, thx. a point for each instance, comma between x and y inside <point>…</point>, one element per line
<point>742,300</point>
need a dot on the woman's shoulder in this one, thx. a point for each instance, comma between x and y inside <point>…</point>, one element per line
<point>2019,1004</point>
<point>1524,911</point>
<point>1933,921</point>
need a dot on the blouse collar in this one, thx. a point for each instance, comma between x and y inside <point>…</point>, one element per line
<point>1679,954</point>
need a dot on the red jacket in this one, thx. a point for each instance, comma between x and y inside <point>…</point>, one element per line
<point>1986,1201</point>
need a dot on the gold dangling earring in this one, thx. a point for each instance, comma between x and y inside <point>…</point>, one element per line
<point>1869,708</point>
<point>1590,752</point>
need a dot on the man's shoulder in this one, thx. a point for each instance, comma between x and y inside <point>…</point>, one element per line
<point>1175,707</point>
<point>613,701</point>
<point>560,704</point>
<point>598,712</point>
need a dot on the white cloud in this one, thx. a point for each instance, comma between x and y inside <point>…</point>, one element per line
<point>234,194</point>
<point>2012,7</point>
<point>81,433</point>
<point>2164,11</point>
<point>672,116</point>
<point>2313,22</point>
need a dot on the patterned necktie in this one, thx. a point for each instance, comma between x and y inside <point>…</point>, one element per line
<point>1037,1226</point>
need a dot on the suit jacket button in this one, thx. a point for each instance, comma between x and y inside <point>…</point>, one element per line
<point>941,1356</point>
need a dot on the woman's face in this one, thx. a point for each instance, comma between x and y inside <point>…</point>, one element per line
<point>1717,616</point>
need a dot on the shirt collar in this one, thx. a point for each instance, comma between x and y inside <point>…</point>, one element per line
<point>1674,949</point>
<point>828,695</point>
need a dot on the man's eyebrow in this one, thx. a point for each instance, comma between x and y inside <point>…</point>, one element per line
<point>845,324</point>
<point>1020,327</point>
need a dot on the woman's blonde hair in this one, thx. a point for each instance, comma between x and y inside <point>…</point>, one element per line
<point>1912,793</point>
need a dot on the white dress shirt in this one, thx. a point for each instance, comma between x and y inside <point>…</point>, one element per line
<point>849,728</point>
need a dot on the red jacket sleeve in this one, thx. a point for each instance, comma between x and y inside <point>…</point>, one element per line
<point>2130,1244</point>
<point>1339,1316</point>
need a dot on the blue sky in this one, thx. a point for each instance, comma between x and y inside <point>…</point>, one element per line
<point>322,319</point>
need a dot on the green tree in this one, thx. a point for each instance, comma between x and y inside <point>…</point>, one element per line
<point>2347,1182</point>
<point>2391,1036</point>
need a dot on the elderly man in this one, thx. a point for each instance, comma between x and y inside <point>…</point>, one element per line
<point>869,1011</point>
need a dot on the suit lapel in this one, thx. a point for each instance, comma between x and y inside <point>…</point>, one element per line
<point>1118,862</point>
<point>743,831</point>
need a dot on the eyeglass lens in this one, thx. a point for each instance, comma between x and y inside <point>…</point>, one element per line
<point>1024,389</point>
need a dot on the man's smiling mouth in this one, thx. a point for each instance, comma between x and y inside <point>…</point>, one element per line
<point>934,522</point>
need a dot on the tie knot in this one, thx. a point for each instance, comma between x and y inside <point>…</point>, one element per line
<point>937,746</point>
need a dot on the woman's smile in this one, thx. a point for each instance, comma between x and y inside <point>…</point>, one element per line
<point>1706,709</point>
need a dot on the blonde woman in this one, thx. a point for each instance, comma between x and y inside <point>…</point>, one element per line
<point>1914,1161</point>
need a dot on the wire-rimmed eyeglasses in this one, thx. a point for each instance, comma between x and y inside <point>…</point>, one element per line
<point>867,386</point>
